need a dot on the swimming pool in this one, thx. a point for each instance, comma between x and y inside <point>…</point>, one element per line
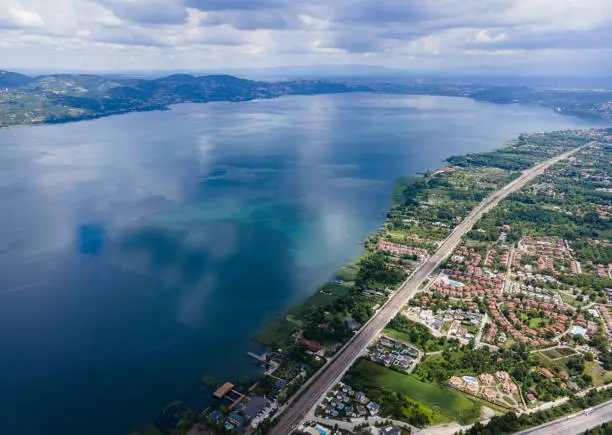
<point>469,379</point>
<point>321,430</point>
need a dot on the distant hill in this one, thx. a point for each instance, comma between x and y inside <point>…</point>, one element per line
<point>72,97</point>
<point>13,80</point>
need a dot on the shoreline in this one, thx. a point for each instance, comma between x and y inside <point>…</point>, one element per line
<point>282,322</point>
<point>168,107</point>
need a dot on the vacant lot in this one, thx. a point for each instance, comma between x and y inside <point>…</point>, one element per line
<point>444,403</point>
<point>599,375</point>
<point>559,352</point>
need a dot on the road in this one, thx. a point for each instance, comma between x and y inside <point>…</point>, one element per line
<point>575,424</point>
<point>333,372</point>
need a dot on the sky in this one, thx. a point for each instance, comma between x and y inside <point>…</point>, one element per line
<point>534,37</point>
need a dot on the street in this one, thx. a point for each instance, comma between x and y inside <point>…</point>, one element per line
<point>575,424</point>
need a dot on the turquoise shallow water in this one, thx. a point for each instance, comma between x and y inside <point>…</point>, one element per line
<point>140,252</point>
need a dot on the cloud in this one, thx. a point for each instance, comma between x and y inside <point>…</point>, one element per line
<point>203,34</point>
<point>237,5</point>
<point>153,12</point>
<point>14,16</point>
<point>252,20</point>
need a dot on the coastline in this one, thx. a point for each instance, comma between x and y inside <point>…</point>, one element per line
<point>167,107</point>
<point>282,325</point>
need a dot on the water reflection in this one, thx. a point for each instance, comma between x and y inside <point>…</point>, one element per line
<point>90,239</point>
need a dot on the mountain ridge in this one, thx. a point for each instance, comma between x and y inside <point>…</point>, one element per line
<point>57,98</point>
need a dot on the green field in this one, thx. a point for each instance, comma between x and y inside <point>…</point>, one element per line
<point>336,289</point>
<point>392,333</point>
<point>599,375</point>
<point>347,274</point>
<point>445,403</point>
<point>534,323</point>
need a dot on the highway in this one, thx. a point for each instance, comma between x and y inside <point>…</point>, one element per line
<point>333,372</point>
<point>575,424</point>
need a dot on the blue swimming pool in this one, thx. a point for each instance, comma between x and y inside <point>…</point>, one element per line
<point>469,379</point>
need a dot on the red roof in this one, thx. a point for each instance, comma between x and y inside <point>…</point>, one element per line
<point>313,345</point>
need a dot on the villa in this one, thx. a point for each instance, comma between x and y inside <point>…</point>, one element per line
<point>489,394</point>
<point>509,388</point>
<point>456,382</point>
<point>502,376</point>
<point>486,378</point>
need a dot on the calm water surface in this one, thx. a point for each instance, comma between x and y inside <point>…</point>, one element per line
<point>140,252</point>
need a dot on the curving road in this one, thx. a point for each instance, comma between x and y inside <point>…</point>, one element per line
<point>333,372</point>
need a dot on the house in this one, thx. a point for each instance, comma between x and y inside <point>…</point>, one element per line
<point>489,394</point>
<point>390,430</point>
<point>486,378</point>
<point>361,398</point>
<point>412,352</point>
<point>352,323</point>
<point>373,407</point>
<point>502,376</point>
<point>509,388</point>
<point>215,415</point>
<point>563,374</point>
<point>234,422</point>
<point>546,373</point>
<point>255,405</point>
<point>532,399</point>
<point>456,382</point>
<point>472,387</point>
<point>361,411</point>
<point>312,345</point>
<point>404,364</point>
